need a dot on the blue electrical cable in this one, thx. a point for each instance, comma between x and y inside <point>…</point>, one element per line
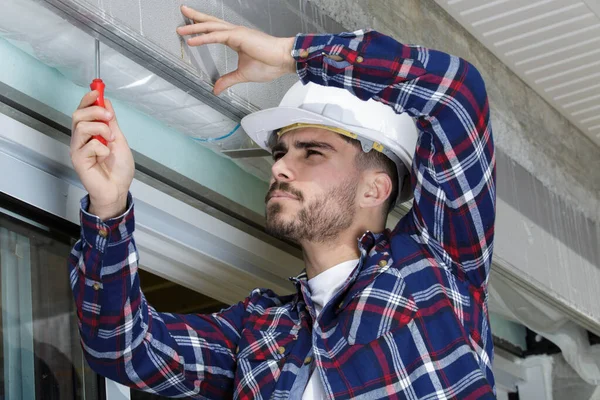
<point>204,140</point>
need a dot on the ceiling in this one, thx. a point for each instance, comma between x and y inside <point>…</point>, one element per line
<point>553,45</point>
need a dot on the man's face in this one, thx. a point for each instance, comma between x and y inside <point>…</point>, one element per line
<point>313,186</point>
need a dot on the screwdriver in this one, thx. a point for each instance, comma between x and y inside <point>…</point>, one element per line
<point>98,85</point>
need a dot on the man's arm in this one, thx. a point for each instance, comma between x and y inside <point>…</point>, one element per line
<point>125,339</point>
<point>453,173</point>
<point>453,180</point>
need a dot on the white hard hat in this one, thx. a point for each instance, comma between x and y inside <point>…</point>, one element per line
<point>376,125</point>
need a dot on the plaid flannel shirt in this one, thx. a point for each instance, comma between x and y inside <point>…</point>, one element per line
<point>411,321</point>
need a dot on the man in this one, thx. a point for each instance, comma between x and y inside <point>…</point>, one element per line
<point>400,314</point>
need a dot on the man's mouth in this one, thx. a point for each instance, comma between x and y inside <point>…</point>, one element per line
<point>279,195</point>
<point>283,191</point>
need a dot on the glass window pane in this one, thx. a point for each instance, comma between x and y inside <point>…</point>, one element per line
<point>41,357</point>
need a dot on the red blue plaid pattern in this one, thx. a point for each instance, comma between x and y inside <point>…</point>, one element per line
<point>411,322</point>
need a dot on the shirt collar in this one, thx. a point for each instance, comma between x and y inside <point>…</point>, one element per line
<point>366,245</point>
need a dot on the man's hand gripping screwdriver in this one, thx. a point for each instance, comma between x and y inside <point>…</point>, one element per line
<point>98,85</point>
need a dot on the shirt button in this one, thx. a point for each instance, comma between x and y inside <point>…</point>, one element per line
<point>359,59</point>
<point>382,263</point>
<point>307,360</point>
<point>103,232</point>
<point>303,53</point>
<point>96,286</point>
<point>281,349</point>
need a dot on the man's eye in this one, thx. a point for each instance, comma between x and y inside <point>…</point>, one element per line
<point>312,152</point>
<point>277,156</point>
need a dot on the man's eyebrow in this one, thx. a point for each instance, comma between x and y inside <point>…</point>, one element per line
<point>313,144</point>
<point>279,146</point>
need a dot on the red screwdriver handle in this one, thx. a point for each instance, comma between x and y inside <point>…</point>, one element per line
<point>98,85</point>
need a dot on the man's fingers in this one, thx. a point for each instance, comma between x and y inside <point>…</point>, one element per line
<point>94,113</point>
<point>113,124</point>
<point>88,155</point>
<point>86,129</point>
<point>204,27</point>
<point>227,81</point>
<point>88,99</point>
<point>95,149</point>
<point>213,37</point>
<point>198,16</point>
<point>111,110</point>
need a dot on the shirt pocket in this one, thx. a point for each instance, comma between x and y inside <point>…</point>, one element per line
<point>265,345</point>
<point>260,360</point>
<point>375,312</point>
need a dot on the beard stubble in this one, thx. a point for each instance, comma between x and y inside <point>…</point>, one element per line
<point>319,221</point>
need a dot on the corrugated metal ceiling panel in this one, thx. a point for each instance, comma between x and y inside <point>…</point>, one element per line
<point>553,45</point>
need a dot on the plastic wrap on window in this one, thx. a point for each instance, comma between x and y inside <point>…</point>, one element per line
<point>566,382</point>
<point>58,44</point>
<point>507,300</point>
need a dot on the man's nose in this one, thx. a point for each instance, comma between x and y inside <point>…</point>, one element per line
<point>282,171</point>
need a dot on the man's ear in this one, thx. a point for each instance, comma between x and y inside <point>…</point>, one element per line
<point>377,189</point>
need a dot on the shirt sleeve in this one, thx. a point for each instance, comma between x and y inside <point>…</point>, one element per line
<point>128,341</point>
<point>453,171</point>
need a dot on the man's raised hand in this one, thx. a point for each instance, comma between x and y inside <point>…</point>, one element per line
<point>261,57</point>
<point>105,171</point>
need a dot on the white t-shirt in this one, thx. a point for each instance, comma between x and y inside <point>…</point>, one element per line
<point>322,288</point>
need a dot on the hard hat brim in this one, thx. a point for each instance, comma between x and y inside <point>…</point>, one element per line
<point>261,124</point>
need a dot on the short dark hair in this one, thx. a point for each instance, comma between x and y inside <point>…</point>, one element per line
<point>377,160</point>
